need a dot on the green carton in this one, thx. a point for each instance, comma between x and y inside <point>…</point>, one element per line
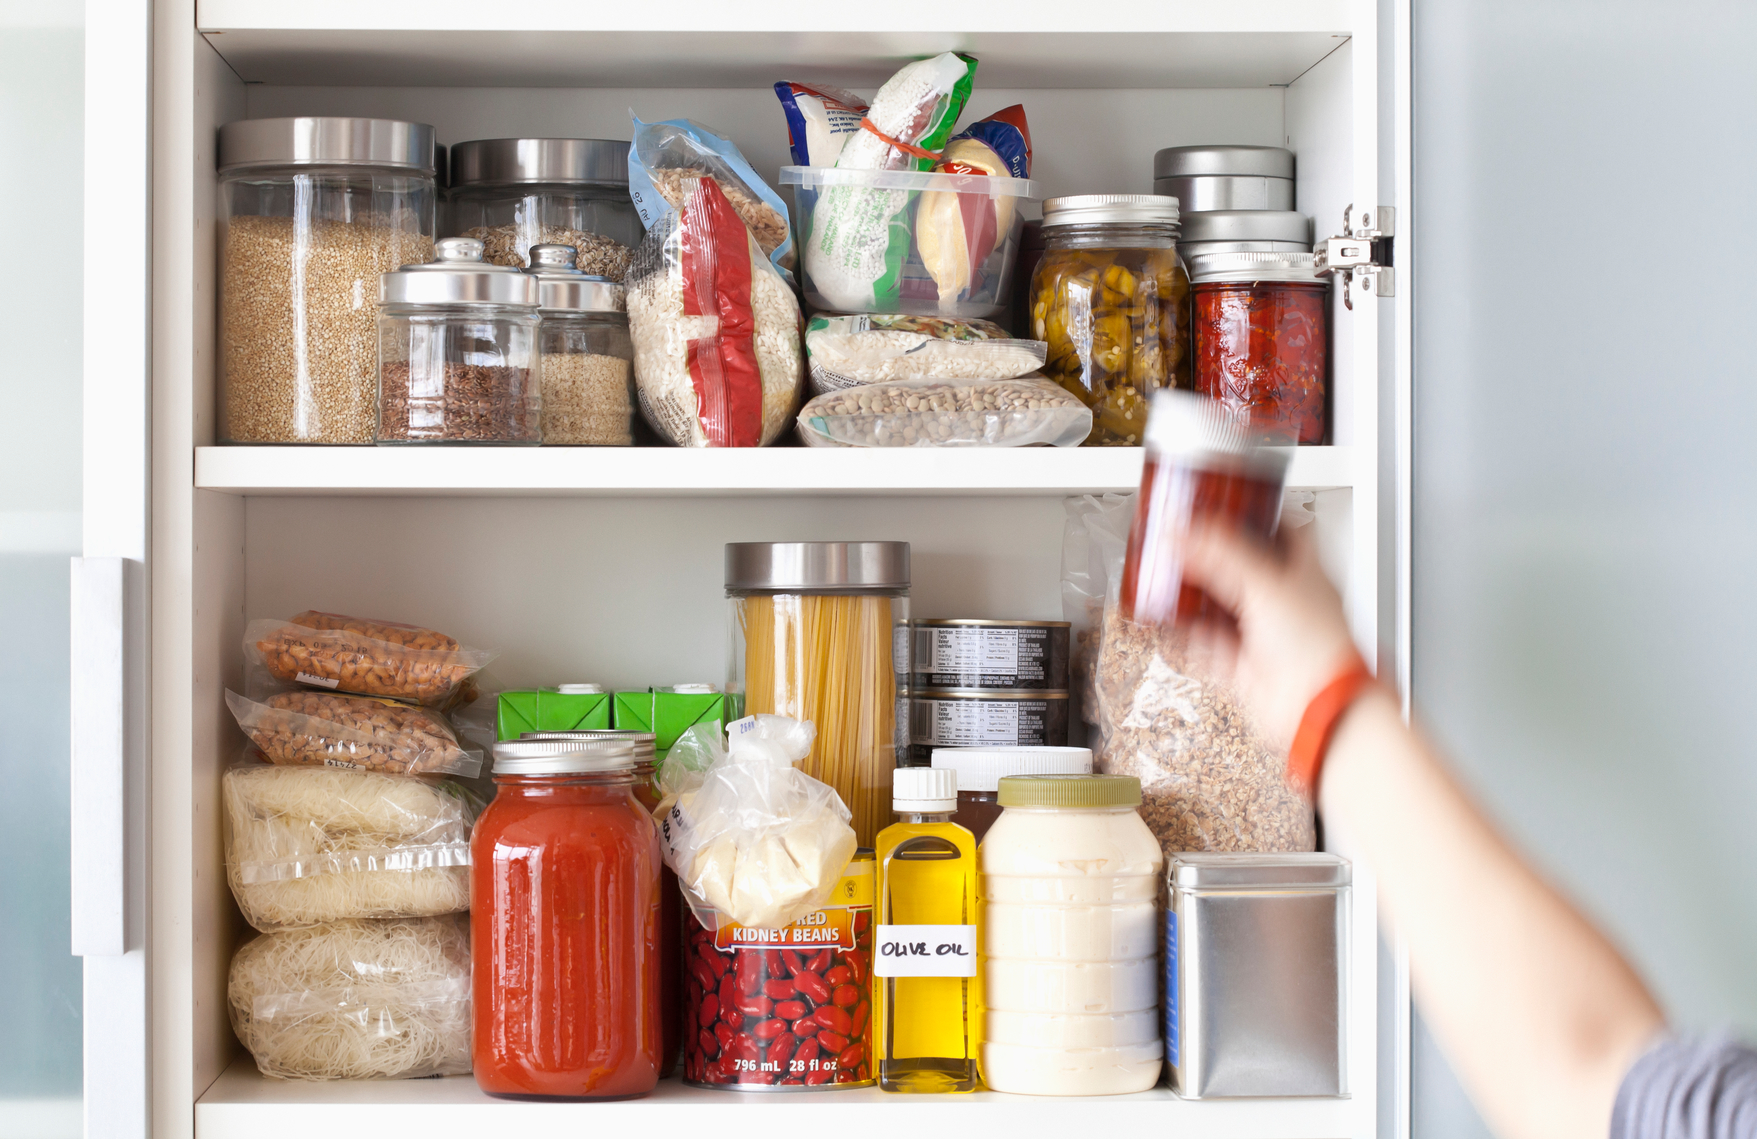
<point>550,710</point>
<point>666,712</point>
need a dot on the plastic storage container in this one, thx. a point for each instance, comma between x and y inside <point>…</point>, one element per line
<point>588,359</point>
<point>881,241</point>
<point>1109,298</point>
<point>980,770</point>
<point>513,193</point>
<point>1205,178</point>
<point>565,893</point>
<point>1261,345</point>
<point>1248,1014</point>
<point>312,211</point>
<point>457,351</point>
<point>819,632</point>
<point>1070,938</point>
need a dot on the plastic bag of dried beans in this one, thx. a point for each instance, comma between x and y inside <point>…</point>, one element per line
<point>365,657</point>
<point>1026,411</point>
<point>305,726</point>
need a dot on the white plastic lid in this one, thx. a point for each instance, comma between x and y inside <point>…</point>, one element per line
<point>690,689</point>
<point>580,689</point>
<point>924,790</point>
<point>981,768</point>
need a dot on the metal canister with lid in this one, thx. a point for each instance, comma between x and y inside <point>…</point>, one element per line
<point>513,193</point>
<point>588,358</point>
<point>1225,177</point>
<point>457,351</point>
<point>1248,1014</point>
<point>1108,297</point>
<point>1262,346</point>
<point>1243,231</point>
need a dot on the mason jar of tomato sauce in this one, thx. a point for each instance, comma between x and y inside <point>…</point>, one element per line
<point>1260,340</point>
<point>1202,461</point>
<point>564,922</point>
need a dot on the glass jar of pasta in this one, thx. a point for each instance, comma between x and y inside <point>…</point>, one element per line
<point>1110,297</point>
<point>820,632</point>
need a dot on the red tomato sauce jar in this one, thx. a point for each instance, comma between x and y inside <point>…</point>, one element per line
<point>1202,461</point>
<point>785,1009</point>
<point>1261,342</point>
<point>564,923</point>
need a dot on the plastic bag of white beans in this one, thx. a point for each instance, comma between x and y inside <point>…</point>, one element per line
<point>1027,411</point>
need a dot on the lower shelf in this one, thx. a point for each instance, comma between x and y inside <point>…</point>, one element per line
<point>242,1104</point>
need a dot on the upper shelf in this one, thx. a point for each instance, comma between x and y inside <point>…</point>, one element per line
<point>626,471</point>
<point>701,43</point>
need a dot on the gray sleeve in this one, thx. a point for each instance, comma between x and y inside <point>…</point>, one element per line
<point>1689,1088</point>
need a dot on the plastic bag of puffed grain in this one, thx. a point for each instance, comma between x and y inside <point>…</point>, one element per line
<point>1025,411</point>
<point>1162,710</point>
<point>847,351</point>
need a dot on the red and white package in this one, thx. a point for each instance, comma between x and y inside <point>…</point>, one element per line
<point>716,328</point>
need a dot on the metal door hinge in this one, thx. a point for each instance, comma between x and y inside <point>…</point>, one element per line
<point>1362,253</point>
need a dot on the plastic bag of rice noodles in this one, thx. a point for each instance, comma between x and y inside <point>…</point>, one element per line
<point>664,156</point>
<point>848,351</point>
<point>859,236</point>
<point>355,1000</point>
<point>307,845</point>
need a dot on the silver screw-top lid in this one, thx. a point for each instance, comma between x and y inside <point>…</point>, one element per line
<point>826,567</point>
<point>645,744</point>
<point>1198,431</point>
<point>924,790</point>
<point>458,276</point>
<point>1253,266</point>
<point>325,141</point>
<point>1126,209</point>
<point>563,756</point>
<point>561,287</point>
<point>1246,225</point>
<point>513,161</point>
<point>1223,161</point>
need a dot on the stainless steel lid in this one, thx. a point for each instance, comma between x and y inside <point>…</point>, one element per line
<point>394,145</point>
<point>1207,161</point>
<point>1256,266</point>
<point>504,161</point>
<point>818,566</point>
<point>1246,225</point>
<point>563,288</point>
<point>1213,871</point>
<point>458,276</point>
<point>1127,209</point>
<point>645,744</point>
<point>563,757</point>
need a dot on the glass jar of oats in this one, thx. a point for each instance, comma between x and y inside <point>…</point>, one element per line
<point>313,211</point>
<point>588,359</point>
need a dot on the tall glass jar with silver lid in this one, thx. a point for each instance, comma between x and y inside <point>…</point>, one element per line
<point>457,351</point>
<point>588,359</point>
<point>312,211</point>
<point>1110,297</point>
<point>513,193</point>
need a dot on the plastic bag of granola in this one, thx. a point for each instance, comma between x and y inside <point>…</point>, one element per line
<point>664,156</point>
<point>1161,710</point>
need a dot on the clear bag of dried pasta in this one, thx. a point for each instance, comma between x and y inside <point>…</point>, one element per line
<point>1163,711</point>
<point>366,657</point>
<point>302,726</point>
<point>355,1000</point>
<point>307,845</point>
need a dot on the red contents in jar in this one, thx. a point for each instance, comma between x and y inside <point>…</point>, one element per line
<point>564,920</point>
<point>1172,494</point>
<point>1261,348</point>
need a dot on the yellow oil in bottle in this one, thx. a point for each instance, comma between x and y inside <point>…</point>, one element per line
<point>926,1026</point>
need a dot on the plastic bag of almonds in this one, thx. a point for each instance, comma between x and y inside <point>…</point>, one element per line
<point>327,729</point>
<point>365,657</point>
<point>1162,712</point>
<point>1027,411</point>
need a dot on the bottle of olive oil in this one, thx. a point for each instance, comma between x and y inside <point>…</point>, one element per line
<point>924,982</point>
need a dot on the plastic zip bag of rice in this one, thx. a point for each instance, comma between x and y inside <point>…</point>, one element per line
<point>859,236</point>
<point>847,351</point>
<point>664,156</point>
<point>1025,411</point>
<point>715,325</point>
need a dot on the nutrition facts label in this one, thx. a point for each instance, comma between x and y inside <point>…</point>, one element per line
<point>966,723</point>
<point>980,652</point>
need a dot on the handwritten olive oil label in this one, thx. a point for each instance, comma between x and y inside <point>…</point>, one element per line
<point>924,951</point>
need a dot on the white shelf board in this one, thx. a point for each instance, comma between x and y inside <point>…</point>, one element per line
<point>688,472</point>
<point>242,1104</point>
<point>703,43</point>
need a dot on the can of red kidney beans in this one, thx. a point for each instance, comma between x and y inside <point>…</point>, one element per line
<point>784,1009</point>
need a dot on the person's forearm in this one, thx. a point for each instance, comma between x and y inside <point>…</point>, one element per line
<point>1538,1012</point>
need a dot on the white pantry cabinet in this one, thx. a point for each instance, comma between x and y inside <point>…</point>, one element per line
<point>606,565</point>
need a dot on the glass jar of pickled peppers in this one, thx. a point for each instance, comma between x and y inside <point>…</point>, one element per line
<point>1109,298</point>
<point>1261,347</point>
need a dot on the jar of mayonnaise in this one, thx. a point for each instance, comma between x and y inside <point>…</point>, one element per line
<point>1069,938</point>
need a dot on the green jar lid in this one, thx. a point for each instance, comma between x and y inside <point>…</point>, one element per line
<point>1070,791</point>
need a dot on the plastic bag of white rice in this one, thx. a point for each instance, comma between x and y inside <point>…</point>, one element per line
<point>847,351</point>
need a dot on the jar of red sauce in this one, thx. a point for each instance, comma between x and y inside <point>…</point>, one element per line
<point>1202,461</point>
<point>564,922</point>
<point>1260,340</point>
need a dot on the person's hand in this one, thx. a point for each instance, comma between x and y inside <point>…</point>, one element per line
<point>1292,637</point>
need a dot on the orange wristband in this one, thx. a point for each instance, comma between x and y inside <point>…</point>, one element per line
<point>1305,759</point>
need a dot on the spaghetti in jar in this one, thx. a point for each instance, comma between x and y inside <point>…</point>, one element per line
<point>819,632</point>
